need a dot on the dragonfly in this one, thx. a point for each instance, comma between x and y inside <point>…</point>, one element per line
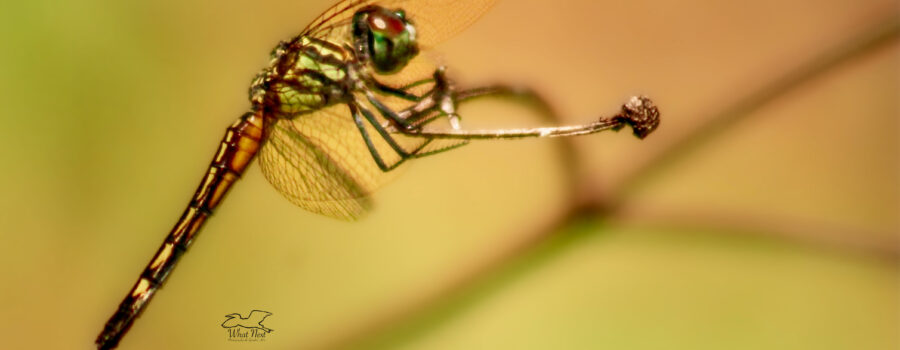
<point>337,110</point>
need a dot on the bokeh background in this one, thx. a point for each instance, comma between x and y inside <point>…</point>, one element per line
<point>762,215</point>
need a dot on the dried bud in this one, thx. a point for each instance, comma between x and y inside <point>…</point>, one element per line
<point>641,114</point>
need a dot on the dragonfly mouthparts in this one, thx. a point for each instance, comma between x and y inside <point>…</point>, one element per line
<point>641,114</point>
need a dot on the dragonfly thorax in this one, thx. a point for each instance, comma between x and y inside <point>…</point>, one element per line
<point>309,73</point>
<point>305,75</point>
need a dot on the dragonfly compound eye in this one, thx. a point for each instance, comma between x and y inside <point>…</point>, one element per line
<point>388,39</point>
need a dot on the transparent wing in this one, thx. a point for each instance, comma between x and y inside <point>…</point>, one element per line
<point>334,24</point>
<point>439,20</point>
<point>435,20</point>
<point>320,162</point>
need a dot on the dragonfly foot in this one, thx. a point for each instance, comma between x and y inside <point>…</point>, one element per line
<point>454,121</point>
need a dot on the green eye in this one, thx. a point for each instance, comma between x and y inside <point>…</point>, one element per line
<point>390,39</point>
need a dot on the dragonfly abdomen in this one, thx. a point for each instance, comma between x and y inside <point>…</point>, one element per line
<point>239,146</point>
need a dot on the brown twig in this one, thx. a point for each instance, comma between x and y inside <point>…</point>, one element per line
<point>818,235</point>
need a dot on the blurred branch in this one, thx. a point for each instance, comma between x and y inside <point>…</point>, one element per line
<point>802,232</point>
<point>425,312</point>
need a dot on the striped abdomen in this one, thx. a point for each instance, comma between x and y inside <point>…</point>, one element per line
<point>238,147</point>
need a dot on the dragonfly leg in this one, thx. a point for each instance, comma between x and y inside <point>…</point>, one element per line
<point>382,131</point>
<point>441,97</point>
<point>447,99</point>
<point>359,113</point>
<point>444,100</point>
<point>360,124</point>
<point>403,91</point>
<point>444,97</point>
<point>413,118</point>
<point>393,118</point>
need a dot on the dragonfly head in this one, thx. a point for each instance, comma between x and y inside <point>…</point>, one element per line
<point>385,38</point>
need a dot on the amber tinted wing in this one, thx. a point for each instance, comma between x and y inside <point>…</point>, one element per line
<point>334,23</point>
<point>435,20</point>
<point>320,162</point>
<point>439,20</point>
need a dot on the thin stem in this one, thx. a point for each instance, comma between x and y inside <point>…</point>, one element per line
<point>775,226</point>
<point>639,112</point>
<point>559,131</point>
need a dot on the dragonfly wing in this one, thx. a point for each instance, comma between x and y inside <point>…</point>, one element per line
<point>334,24</point>
<point>435,20</point>
<point>439,20</point>
<point>320,162</point>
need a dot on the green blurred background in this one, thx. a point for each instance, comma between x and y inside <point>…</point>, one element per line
<point>778,231</point>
